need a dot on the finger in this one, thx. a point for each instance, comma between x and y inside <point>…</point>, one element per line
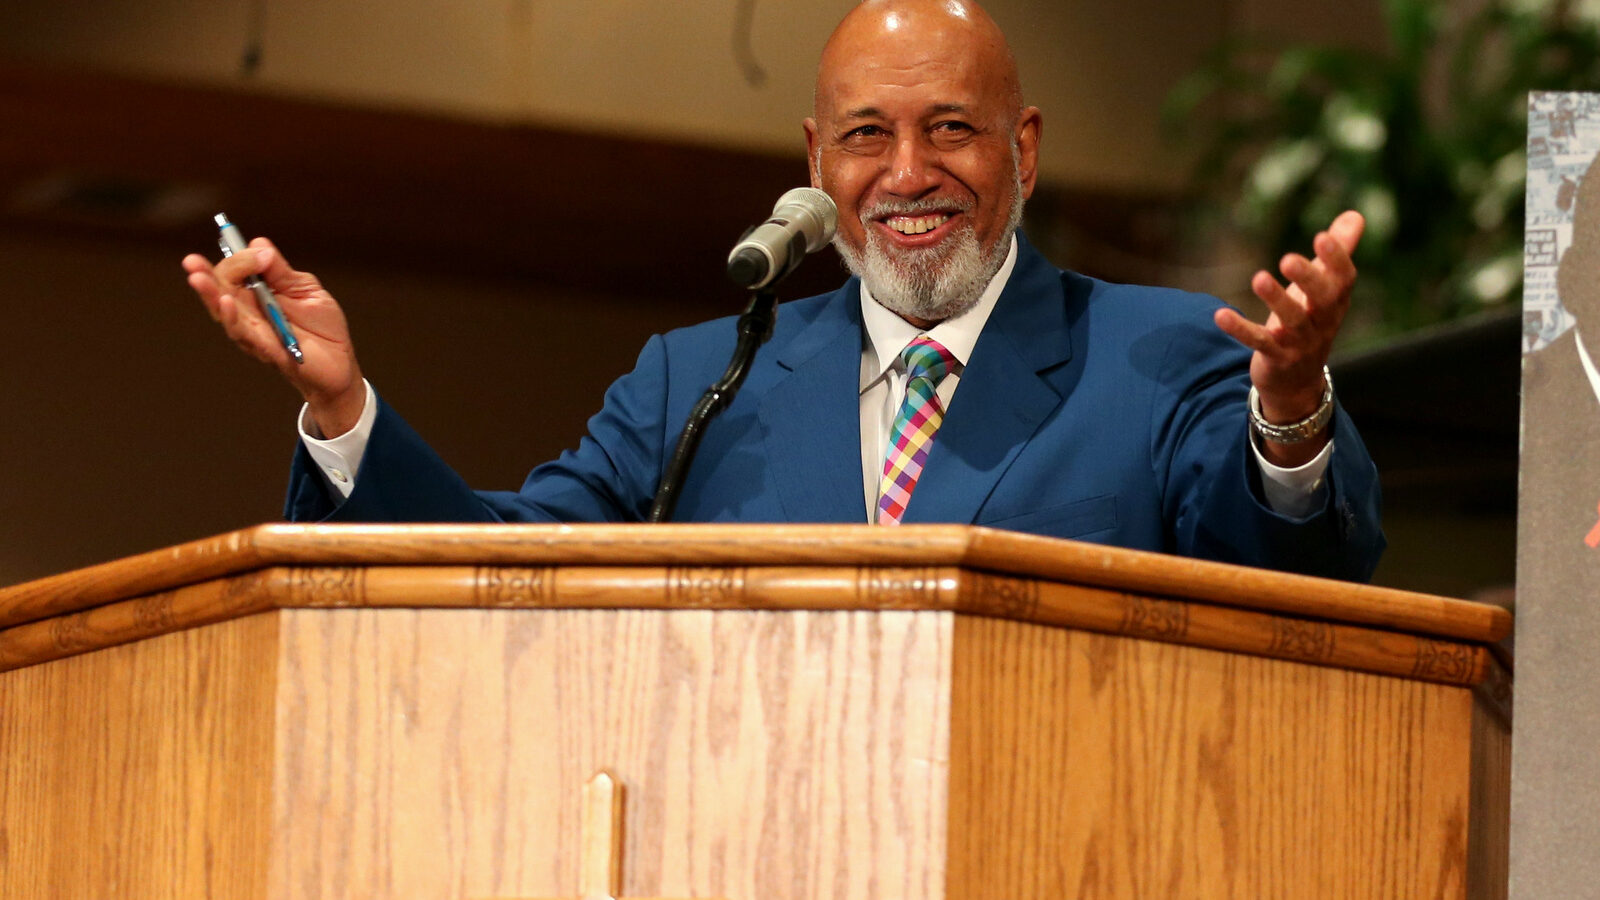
<point>1317,286</point>
<point>1328,306</point>
<point>194,262</point>
<point>242,323</point>
<point>232,272</point>
<point>1324,294</point>
<point>260,258</point>
<point>1347,229</point>
<point>211,291</point>
<point>249,331</point>
<point>1291,313</point>
<point>1246,332</point>
<point>205,287</point>
<point>202,279</point>
<point>234,326</point>
<point>275,269</point>
<point>239,321</point>
<point>1335,259</point>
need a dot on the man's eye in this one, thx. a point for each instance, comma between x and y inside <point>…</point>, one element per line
<point>950,134</point>
<point>864,131</point>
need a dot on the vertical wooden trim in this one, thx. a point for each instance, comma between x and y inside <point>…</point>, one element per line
<point>1489,822</point>
<point>600,867</point>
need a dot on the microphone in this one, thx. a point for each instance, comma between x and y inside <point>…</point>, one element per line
<point>803,220</point>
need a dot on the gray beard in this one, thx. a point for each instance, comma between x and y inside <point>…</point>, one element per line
<point>932,283</point>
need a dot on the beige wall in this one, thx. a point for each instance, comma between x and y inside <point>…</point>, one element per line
<point>1098,68</point>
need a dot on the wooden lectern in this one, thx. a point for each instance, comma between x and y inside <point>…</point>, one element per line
<point>793,711</point>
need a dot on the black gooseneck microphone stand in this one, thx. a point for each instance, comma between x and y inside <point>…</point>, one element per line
<point>755,327</point>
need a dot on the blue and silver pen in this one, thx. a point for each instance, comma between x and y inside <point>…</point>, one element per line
<point>232,241</point>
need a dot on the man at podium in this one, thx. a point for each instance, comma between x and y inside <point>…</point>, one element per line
<point>957,376</point>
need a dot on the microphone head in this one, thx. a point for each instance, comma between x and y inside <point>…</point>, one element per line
<point>748,266</point>
<point>813,212</point>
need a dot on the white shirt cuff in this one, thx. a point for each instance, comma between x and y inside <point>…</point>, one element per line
<point>340,458</point>
<point>1296,492</point>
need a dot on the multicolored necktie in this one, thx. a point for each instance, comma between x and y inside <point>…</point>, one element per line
<point>912,435</point>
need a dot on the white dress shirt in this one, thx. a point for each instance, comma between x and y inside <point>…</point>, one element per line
<point>883,372</point>
<point>1291,492</point>
<point>1588,364</point>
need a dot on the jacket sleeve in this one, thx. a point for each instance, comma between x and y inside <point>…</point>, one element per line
<point>610,477</point>
<point>1214,503</point>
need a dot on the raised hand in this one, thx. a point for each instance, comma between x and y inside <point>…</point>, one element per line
<point>1292,346</point>
<point>330,378</point>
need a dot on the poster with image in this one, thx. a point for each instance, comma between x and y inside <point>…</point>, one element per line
<point>1555,771</point>
<point>1559,500</point>
<point>1563,137</point>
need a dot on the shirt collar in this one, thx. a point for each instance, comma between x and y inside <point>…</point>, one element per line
<point>1588,365</point>
<point>887,334</point>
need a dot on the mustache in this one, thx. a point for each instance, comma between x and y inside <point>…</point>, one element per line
<point>892,207</point>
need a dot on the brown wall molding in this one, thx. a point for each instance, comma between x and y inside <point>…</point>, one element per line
<point>118,157</point>
<point>435,193</point>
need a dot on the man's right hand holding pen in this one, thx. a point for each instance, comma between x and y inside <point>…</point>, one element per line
<point>330,379</point>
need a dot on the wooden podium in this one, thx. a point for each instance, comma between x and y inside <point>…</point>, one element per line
<point>794,711</point>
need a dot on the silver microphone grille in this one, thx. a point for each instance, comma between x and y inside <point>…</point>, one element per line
<point>818,206</point>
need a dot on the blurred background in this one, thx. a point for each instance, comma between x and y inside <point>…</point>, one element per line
<point>510,196</point>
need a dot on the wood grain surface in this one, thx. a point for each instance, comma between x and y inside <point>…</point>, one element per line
<point>750,545</point>
<point>141,771</point>
<point>1090,766</point>
<point>796,711</point>
<point>372,752</point>
<point>443,754</point>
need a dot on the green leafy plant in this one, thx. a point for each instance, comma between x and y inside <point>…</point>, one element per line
<point>1426,138</point>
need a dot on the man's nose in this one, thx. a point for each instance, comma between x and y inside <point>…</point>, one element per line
<point>913,168</point>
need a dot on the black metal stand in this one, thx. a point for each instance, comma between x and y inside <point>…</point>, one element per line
<point>755,327</point>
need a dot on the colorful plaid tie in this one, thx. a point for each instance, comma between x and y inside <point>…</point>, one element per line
<point>912,435</point>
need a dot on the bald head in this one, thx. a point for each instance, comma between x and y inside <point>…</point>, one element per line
<point>900,34</point>
<point>919,135</point>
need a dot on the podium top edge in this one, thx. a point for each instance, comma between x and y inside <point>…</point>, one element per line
<point>867,546</point>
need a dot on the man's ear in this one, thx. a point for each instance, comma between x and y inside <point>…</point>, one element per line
<point>1029,127</point>
<point>810,125</point>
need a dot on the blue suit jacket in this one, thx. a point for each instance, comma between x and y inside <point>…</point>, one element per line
<point>1089,410</point>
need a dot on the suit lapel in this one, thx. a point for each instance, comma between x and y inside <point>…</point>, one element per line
<point>1004,395</point>
<point>812,416</point>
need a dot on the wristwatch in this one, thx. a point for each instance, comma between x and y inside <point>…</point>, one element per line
<point>1294,432</point>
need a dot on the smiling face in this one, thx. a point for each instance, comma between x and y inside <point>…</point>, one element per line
<point>920,138</point>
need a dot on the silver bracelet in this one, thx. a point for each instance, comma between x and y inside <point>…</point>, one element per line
<point>1294,432</point>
